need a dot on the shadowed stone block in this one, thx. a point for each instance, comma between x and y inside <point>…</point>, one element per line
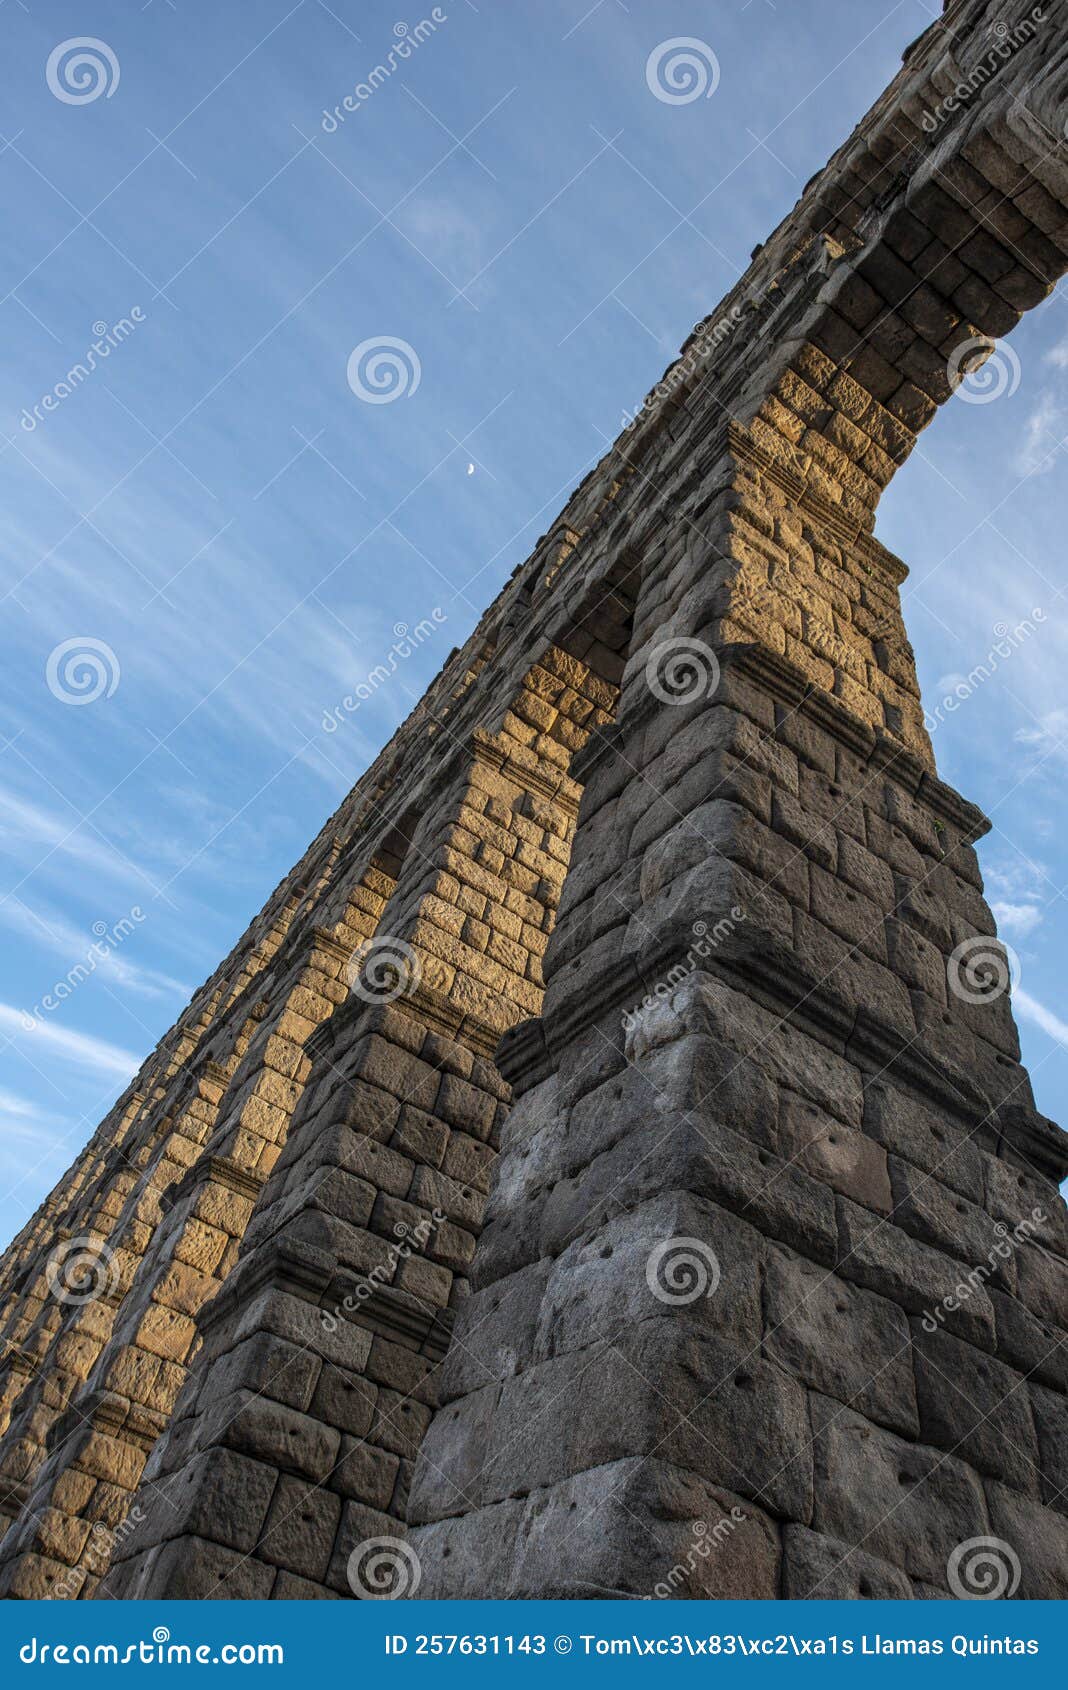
<point>771,1277</point>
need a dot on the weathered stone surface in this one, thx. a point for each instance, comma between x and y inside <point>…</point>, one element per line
<point>905,1503</point>
<point>300,1528</point>
<point>731,1414</point>
<point>470,1556</point>
<point>883,1258</point>
<point>1039,1538</point>
<point>821,1569</point>
<point>197,1569</point>
<point>928,1138</point>
<point>732,1026</point>
<point>640,1265</point>
<point>220,1495</point>
<point>977,1408</point>
<point>1050,1410</point>
<point>835,1337</point>
<point>644,1529</point>
<point>285,1439</point>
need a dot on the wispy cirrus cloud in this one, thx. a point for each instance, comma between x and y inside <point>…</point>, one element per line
<point>31,835</point>
<point>54,933</point>
<point>1045,1019</point>
<point>41,1041</point>
<point>1040,443</point>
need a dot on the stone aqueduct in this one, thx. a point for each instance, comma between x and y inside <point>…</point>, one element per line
<point>272,1378</point>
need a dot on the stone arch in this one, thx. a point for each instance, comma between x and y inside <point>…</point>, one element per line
<point>816,1077</point>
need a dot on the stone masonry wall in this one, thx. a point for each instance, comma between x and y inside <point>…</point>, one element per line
<point>770,1292</point>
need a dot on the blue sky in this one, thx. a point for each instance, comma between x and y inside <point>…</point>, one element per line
<point>241,534</point>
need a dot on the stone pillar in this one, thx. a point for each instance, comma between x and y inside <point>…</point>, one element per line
<point>719,1344</point>
<point>191,1215</point>
<point>771,1296</point>
<point>773,1291</point>
<point>129,1149</point>
<point>85,1267</point>
<point>294,1439</point>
